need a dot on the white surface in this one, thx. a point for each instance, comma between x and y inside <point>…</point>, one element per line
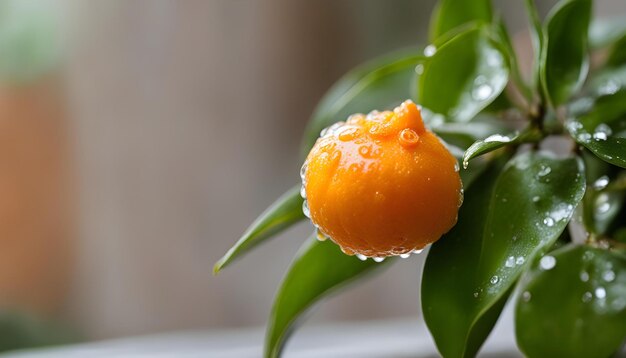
<point>397,339</point>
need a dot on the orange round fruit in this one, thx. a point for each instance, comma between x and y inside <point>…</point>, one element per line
<point>381,184</point>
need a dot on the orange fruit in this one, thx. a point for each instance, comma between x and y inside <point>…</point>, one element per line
<point>381,184</point>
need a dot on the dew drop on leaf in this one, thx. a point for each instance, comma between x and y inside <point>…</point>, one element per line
<point>547,263</point>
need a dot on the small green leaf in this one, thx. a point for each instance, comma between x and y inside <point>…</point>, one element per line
<point>380,84</point>
<point>284,212</point>
<point>450,14</point>
<point>565,58</point>
<point>464,75</point>
<point>487,145</point>
<point>604,32</point>
<point>596,127</point>
<point>319,269</point>
<point>463,135</point>
<point>573,304</point>
<point>509,216</point>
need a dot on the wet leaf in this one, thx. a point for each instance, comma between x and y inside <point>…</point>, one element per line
<point>564,56</point>
<point>573,304</point>
<point>600,127</point>
<point>318,270</point>
<point>450,14</point>
<point>463,135</point>
<point>284,212</point>
<point>377,85</point>
<point>509,216</point>
<point>487,145</point>
<point>464,75</point>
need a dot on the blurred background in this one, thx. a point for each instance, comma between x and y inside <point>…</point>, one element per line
<point>140,138</point>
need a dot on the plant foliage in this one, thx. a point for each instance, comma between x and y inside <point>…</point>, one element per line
<point>521,195</point>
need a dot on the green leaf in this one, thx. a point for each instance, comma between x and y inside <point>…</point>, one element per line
<point>604,32</point>
<point>464,75</point>
<point>573,304</point>
<point>509,216</point>
<point>463,135</point>
<point>565,58</point>
<point>536,37</point>
<point>381,84</point>
<point>596,127</point>
<point>505,39</point>
<point>284,212</point>
<point>319,270</point>
<point>487,145</point>
<point>450,14</point>
<point>617,57</point>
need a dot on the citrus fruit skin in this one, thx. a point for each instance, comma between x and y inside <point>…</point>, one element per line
<point>382,184</point>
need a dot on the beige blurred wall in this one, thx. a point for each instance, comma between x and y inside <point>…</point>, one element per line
<point>187,120</point>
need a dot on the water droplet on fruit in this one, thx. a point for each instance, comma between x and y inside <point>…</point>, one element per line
<point>347,251</point>
<point>417,252</point>
<point>319,234</point>
<point>405,256</point>
<point>547,263</point>
<point>361,257</point>
<point>408,137</point>
<point>457,168</point>
<point>305,209</point>
<point>348,133</point>
<point>378,259</point>
<point>303,171</point>
<point>303,192</point>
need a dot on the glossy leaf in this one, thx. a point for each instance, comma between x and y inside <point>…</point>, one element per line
<point>573,304</point>
<point>565,58</point>
<point>597,127</point>
<point>463,135</point>
<point>509,216</point>
<point>487,145</point>
<point>320,269</point>
<point>377,85</point>
<point>464,75</point>
<point>284,212</point>
<point>450,14</point>
<point>604,32</point>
